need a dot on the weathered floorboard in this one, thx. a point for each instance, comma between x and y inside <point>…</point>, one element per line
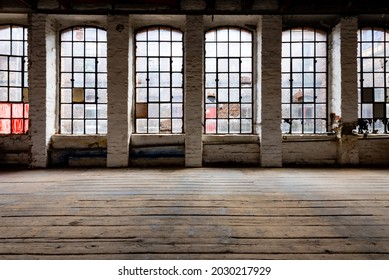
<point>204,213</point>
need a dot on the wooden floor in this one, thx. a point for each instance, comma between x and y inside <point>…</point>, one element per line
<point>202,213</point>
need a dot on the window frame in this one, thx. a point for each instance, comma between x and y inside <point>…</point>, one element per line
<point>307,106</point>
<point>22,113</point>
<point>213,113</point>
<point>371,96</point>
<point>78,94</point>
<point>143,97</point>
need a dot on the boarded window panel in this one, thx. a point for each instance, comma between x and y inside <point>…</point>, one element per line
<point>141,110</point>
<point>379,110</point>
<point>367,95</point>
<point>78,95</point>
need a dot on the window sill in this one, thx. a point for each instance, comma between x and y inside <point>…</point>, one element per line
<point>157,139</point>
<point>308,137</point>
<point>59,141</point>
<point>231,139</point>
<point>372,136</point>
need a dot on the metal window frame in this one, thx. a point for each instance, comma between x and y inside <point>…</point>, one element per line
<point>23,72</point>
<point>159,86</point>
<point>217,87</point>
<point>96,86</point>
<point>368,124</point>
<point>304,104</point>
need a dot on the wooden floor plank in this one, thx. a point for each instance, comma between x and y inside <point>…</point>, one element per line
<point>204,213</point>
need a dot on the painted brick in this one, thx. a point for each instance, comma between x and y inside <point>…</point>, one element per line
<point>194,46</point>
<point>42,86</point>
<point>269,90</point>
<point>118,91</point>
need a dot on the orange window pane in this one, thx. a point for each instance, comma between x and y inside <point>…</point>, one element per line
<point>5,126</point>
<point>17,110</point>
<point>5,110</point>
<point>17,126</point>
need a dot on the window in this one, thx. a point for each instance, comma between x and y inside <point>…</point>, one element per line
<point>14,105</point>
<point>304,81</point>
<point>159,80</point>
<point>373,84</point>
<point>228,81</point>
<point>83,97</point>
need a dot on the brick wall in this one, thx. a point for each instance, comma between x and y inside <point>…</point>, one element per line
<point>193,83</point>
<point>118,90</point>
<point>269,89</point>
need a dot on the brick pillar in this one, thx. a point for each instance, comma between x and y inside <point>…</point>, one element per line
<point>269,90</point>
<point>194,50</point>
<point>42,74</point>
<point>119,97</point>
<point>344,87</point>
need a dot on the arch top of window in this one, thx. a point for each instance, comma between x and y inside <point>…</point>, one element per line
<point>83,33</point>
<point>376,34</point>
<point>228,34</point>
<point>13,32</point>
<point>304,34</point>
<point>159,33</point>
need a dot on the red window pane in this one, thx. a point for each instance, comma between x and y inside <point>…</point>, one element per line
<point>5,111</point>
<point>17,110</point>
<point>5,126</point>
<point>17,126</point>
<point>26,110</point>
<point>26,126</point>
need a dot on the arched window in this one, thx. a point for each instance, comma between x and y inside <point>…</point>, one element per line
<point>304,81</point>
<point>83,97</point>
<point>228,81</point>
<point>14,105</point>
<point>159,80</point>
<point>373,80</point>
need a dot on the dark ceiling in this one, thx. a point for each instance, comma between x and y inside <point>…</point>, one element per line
<point>345,7</point>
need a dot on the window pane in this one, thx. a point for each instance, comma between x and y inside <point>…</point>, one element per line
<point>228,80</point>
